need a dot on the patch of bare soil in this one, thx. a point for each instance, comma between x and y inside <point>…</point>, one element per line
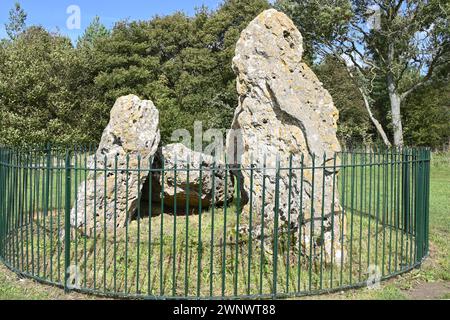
<point>430,291</point>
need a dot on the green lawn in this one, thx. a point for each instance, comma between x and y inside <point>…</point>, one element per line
<point>435,269</point>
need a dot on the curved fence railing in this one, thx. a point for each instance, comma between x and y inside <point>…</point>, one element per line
<point>132,227</point>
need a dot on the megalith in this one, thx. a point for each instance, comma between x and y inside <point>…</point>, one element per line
<point>109,197</point>
<point>286,116</point>
<point>191,179</point>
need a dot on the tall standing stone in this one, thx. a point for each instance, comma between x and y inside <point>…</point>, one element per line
<point>132,136</point>
<point>285,111</point>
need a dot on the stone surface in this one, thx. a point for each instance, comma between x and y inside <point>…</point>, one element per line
<point>203,190</point>
<point>284,110</point>
<point>132,136</point>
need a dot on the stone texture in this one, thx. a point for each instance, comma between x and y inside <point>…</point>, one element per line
<point>133,130</point>
<point>202,190</point>
<point>284,110</point>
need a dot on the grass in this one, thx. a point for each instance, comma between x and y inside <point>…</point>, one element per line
<point>168,265</point>
<point>133,273</point>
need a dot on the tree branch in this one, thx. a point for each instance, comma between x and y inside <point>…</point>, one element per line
<point>425,79</point>
<point>375,122</point>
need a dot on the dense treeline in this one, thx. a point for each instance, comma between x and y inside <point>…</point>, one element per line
<point>54,91</point>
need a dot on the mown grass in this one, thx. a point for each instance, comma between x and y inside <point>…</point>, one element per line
<point>183,258</point>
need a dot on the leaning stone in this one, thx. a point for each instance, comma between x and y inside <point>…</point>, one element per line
<point>132,136</point>
<point>204,189</point>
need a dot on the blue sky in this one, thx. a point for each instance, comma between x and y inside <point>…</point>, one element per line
<point>52,14</point>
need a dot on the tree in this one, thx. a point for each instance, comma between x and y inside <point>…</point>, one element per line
<point>387,38</point>
<point>354,127</point>
<point>95,31</point>
<point>182,63</point>
<point>17,20</point>
<point>38,95</point>
<point>427,115</point>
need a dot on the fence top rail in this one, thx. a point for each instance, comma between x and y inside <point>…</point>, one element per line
<point>53,160</point>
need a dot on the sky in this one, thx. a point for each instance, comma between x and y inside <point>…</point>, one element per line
<point>53,15</point>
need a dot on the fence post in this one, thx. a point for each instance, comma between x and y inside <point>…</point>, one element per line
<point>421,193</point>
<point>405,189</point>
<point>47,180</point>
<point>427,199</point>
<point>2,200</point>
<point>67,224</point>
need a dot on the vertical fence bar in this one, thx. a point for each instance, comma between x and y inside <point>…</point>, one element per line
<point>85,171</point>
<point>300,225</point>
<point>67,224</point>
<point>32,199</point>
<point>75,171</point>
<point>95,221</point>
<point>352,214</point>
<point>275,246</point>
<point>150,215</point>
<point>384,211</point>
<point>138,242</point>
<point>161,230</point>
<point>105,200</point>
<point>200,243</point>
<point>427,200</point>
<point>211,256</point>
<point>289,224</point>
<point>127,227</point>
<point>391,212</point>
<point>47,169</point>
<point>186,251</point>
<point>238,213</point>
<point>174,236</point>
<point>311,230</point>
<point>250,230</point>
<point>224,250</point>
<point>332,220</point>
<point>115,225</point>
<point>343,202</point>
<point>322,218</point>
<point>419,212</point>
<point>405,185</point>
<point>361,203</point>
<point>262,256</point>
<point>396,204</point>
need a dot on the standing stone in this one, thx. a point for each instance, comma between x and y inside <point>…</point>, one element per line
<point>285,111</point>
<point>132,134</point>
<point>200,190</point>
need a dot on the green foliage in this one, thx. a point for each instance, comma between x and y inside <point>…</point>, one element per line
<point>181,63</point>
<point>53,92</point>
<point>395,47</point>
<point>38,95</point>
<point>354,127</point>
<point>319,21</point>
<point>427,116</point>
<point>95,31</point>
<point>17,19</point>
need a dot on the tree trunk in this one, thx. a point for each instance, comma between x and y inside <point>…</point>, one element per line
<point>375,122</point>
<point>395,100</point>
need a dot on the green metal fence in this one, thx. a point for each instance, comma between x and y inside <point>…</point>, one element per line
<point>215,252</point>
